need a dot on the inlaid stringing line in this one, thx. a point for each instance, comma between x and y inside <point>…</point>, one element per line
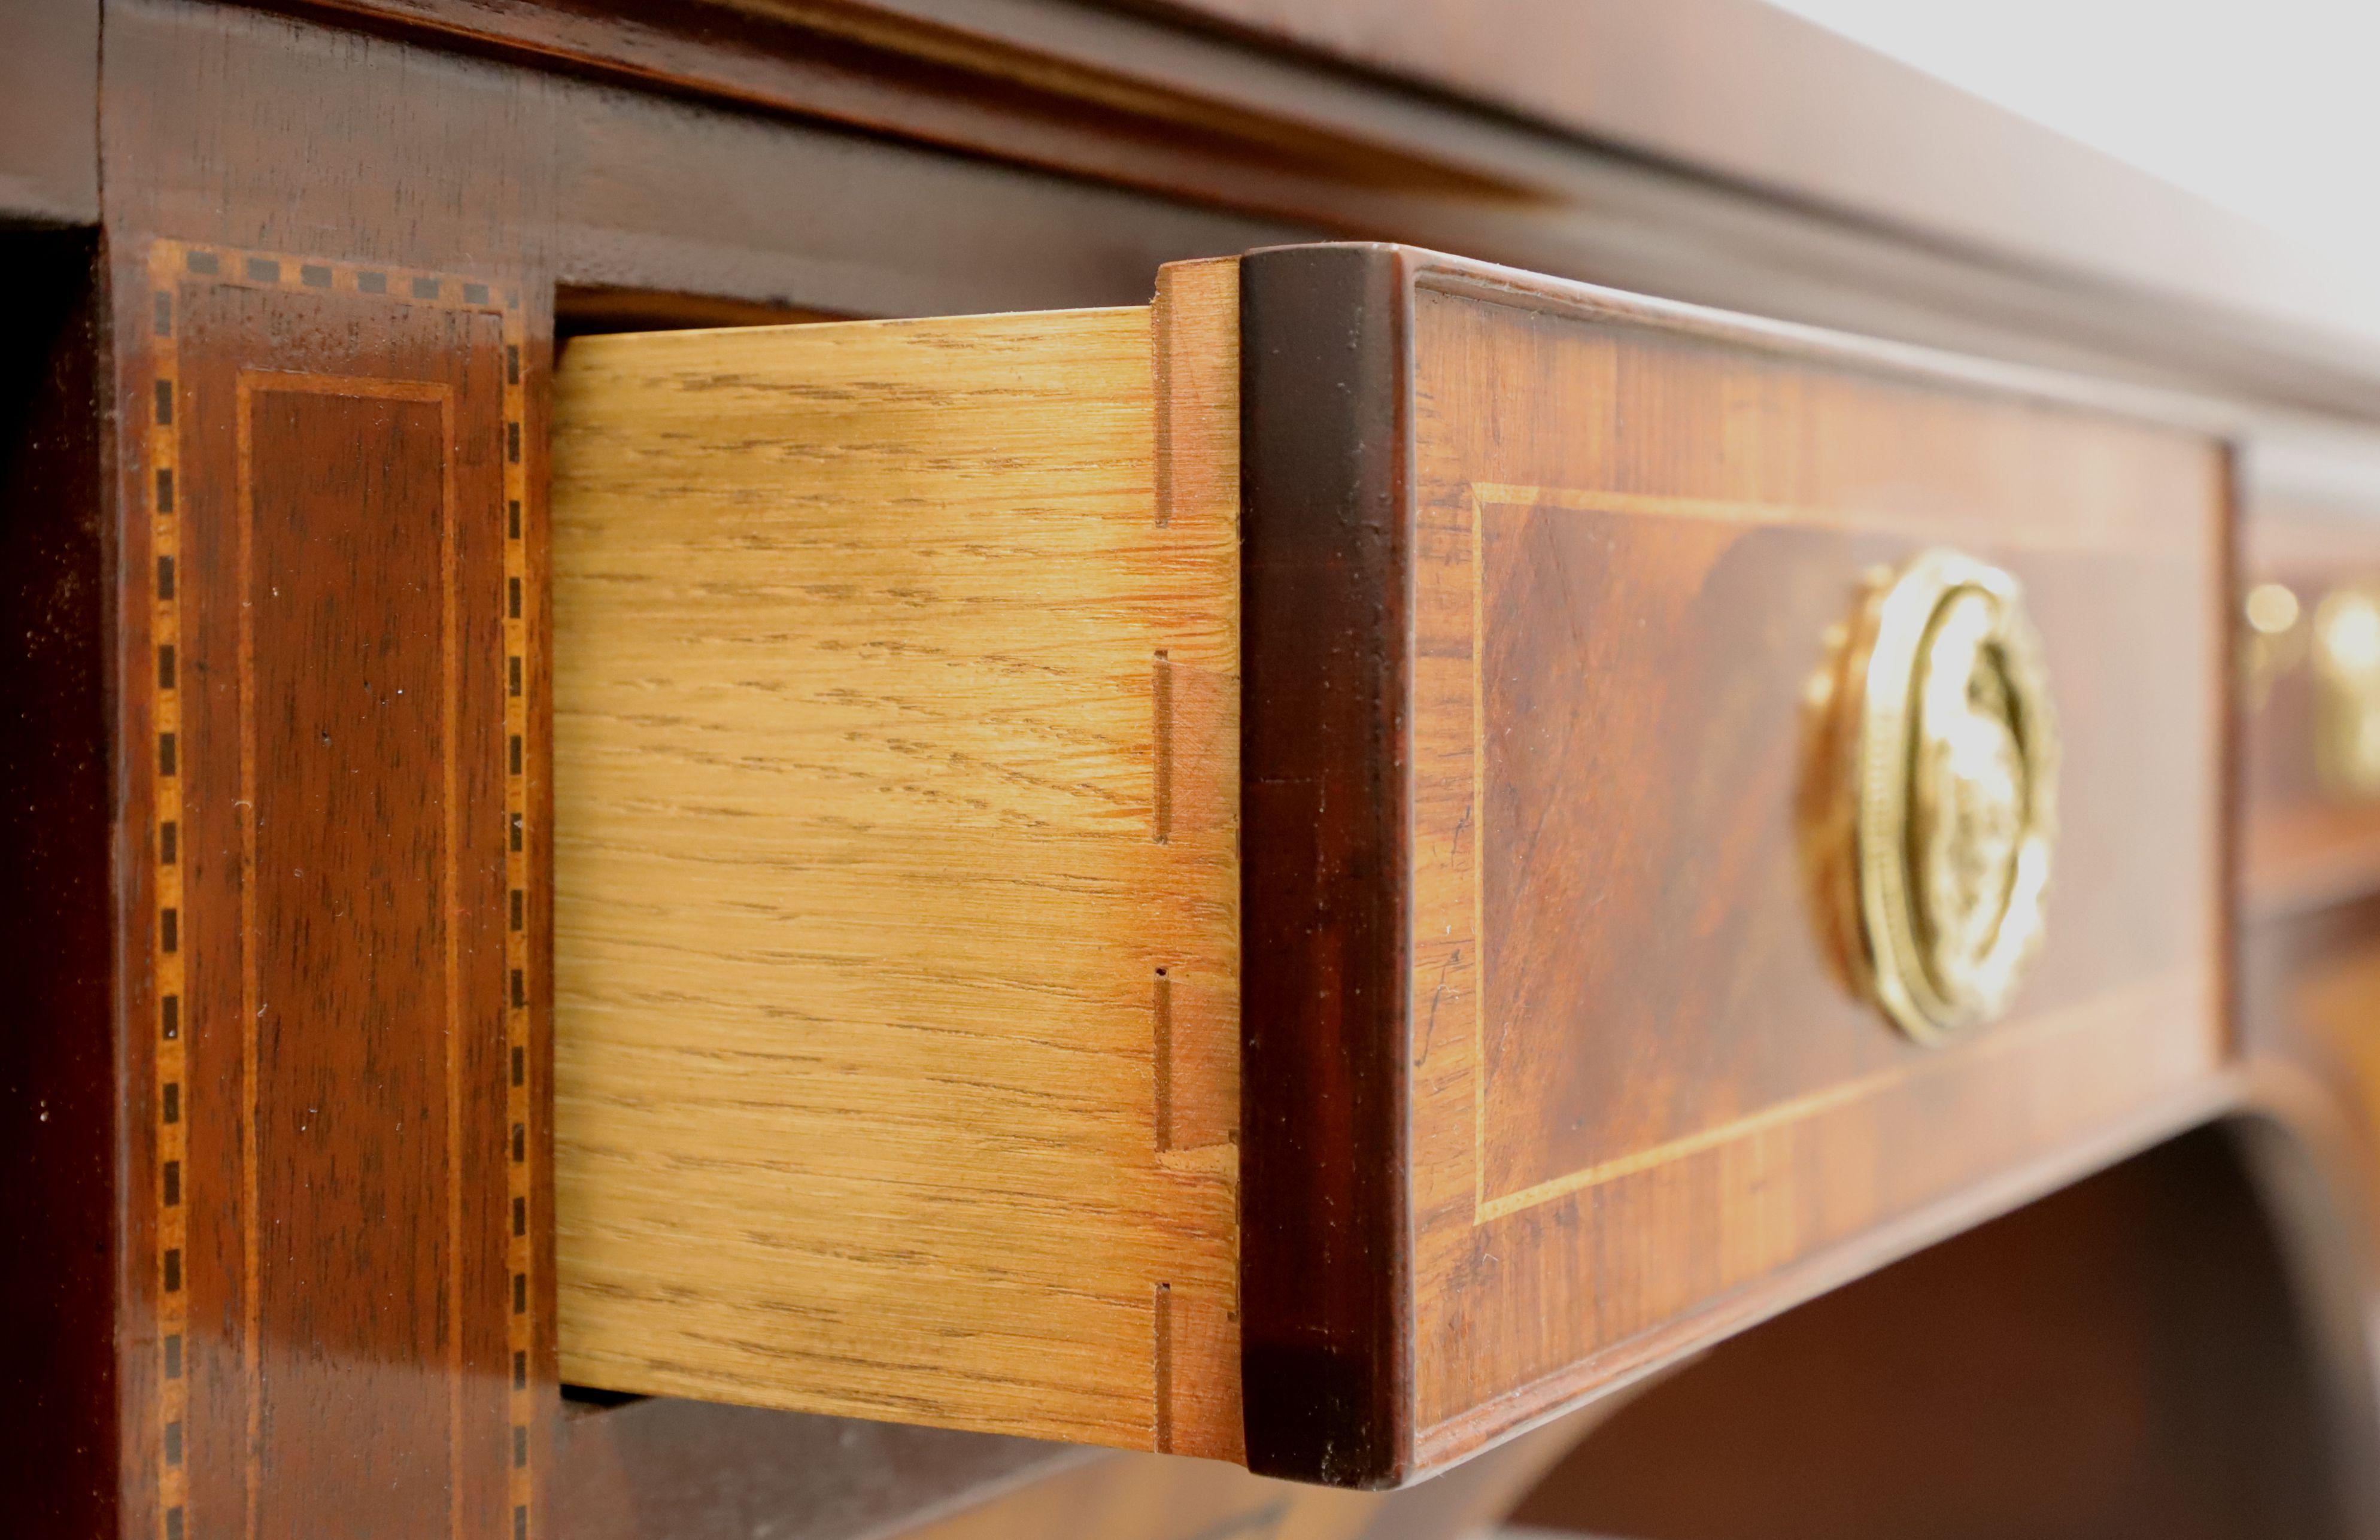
<point>519,1247</point>
<point>171,1185</point>
<point>171,263</point>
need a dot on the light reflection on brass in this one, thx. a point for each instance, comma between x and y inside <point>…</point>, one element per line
<point>1945,811</point>
<point>2346,649</point>
<point>2276,640</point>
<point>1825,804</point>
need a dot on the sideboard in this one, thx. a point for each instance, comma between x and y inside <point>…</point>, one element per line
<point>1276,768</point>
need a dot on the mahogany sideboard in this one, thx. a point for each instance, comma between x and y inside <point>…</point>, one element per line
<point>982,768</point>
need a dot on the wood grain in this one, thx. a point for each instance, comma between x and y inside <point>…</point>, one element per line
<point>895,805</point>
<point>1559,1007</point>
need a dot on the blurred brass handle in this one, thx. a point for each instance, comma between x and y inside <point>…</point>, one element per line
<point>1954,802</point>
<point>2274,641</point>
<point>2346,649</point>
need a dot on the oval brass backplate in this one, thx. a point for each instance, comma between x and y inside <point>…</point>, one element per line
<point>1953,769</point>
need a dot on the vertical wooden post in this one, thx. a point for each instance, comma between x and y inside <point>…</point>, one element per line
<point>331,726</point>
<point>59,1092</point>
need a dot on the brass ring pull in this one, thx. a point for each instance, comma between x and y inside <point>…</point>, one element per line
<point>1955,768</point>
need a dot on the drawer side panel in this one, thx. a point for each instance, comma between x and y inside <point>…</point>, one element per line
<point>897,887</point>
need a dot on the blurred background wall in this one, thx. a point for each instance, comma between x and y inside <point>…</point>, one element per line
<point>2267,106</point>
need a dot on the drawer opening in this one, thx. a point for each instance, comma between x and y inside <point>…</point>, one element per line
<point>603,309</point>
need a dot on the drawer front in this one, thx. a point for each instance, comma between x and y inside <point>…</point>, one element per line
<point>1541,979</point>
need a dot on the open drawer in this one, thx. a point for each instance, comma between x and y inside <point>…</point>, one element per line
<point>1318,871</point>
